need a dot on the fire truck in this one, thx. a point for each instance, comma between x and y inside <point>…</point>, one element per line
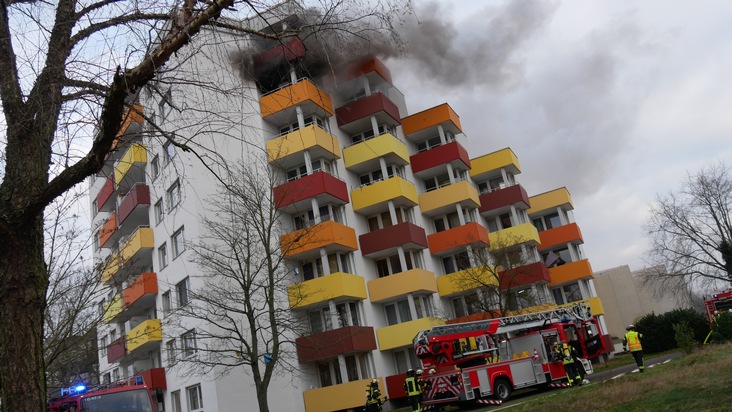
<point>484,361</point>
<point>131,396</point>
<point>718,303</point>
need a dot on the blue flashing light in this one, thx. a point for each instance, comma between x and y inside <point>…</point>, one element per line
<point>80,388</point>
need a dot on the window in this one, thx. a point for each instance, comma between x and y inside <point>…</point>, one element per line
<point>95,207</point>
<point>428,144</point>
<point>321,164</point>
<point>163,255</point>
<point>188,343</point>
<point>505,220</point>
<point>181,290</point>
<point>312,269</point>
<point>423,304</point>
<point>547,222</point>
<point>174,195</point>
<point>96,241</point>
<point>195,398</point>
<point>165,106</point>
<point>377,175</point>
<point>159,211</point>
<point>491,185</point>
<point>103,342</point>
<point>467,304</point>
<point>436,182</point>
<point>297,173</point>
<point>347,314</point>
<point>171,349</point>
<point>155,167</point>
<point>449,221</point>
<point>398,312</point>
<point>369,133</point>
<point>572,292</point>
<point>175,400</point>
<point>329,373</point>
<point>406,359</point>
<point>168,151</point>
<point>392,264</point>
<point>166,303</point>
<point>178,242</point>
<point>456,262</point>
<point>106,379</point>
<point>339,262</point>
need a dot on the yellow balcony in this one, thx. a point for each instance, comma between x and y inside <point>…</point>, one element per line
<point>386,145</point>
<point>410,281</point>
<point>443,199</point>
<point>468,279</point>
<point>113,308</point>
<point>402,334</point>
<point>331,235</point>
<point>367,198</point>
<point>516,235</point>
<point>494,162</point>
<point>551,200</point>
<point>303,92</point>
<point>144,334</point>
<point>568,272</point>
<point>312,138</point>
<point>328,287</point>
<point>339,397</point>
<point>136,155</point>
<point>141,240</point>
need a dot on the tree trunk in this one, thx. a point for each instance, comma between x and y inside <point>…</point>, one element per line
<point>23,284</point>
<point>262,398</point>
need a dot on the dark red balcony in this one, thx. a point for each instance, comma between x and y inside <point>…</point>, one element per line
<point>354,116</point>
<point>453,153</point>
<point>560,235</point>
<point>116,349</point>
<point>395,386</point>
<point>287,51</point>
<point>105,198</point>
<point>524,275</point>
<point>503,198</point>
<point>404,234</point>
<point>135,204</point>
<point>324,186</point>
<point>154,378</point>
<point>341,341</point>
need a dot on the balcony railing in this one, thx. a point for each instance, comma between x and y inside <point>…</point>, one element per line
<point>410,281</point>
<point>339,397</point>
<point>333,286</point>
<point>407,235</point>
<point>341,341</point>
<point>147,332</point>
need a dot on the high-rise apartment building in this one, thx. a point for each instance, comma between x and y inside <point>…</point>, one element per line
<point>407,231</point>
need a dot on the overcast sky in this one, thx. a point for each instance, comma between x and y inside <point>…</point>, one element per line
<point>615,100</point>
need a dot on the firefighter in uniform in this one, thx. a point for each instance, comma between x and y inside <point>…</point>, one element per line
<point>571,363</point>
<point>413,389</point>
<point>373,397</point>
<point>632,341</point>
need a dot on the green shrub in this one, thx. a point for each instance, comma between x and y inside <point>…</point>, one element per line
<point>722,328</point>
<point>684,336</point>
<point>658,331</point>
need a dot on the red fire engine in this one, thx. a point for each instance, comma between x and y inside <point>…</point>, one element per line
<point>132,397</point>
<point>718,303</point>
<point>476,361</point>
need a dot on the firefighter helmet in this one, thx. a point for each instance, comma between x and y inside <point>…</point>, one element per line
<point>419,371</point>
<point>630,327</point>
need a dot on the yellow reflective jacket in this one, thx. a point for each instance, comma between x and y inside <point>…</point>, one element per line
<point>411,386</point>
<point>632,341</point>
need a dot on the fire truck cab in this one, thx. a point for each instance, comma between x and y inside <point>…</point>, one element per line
<point>718,303</point>
<point>119,398</point>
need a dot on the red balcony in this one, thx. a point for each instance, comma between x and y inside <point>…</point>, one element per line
<point>404,234</point>
<point>287,51</point>
<point>395,386</point>
<point>154,378</point>
<point>354,116</point>
<point>296,194</point>
<point>503,198</point>
<point>105,198</point>
<point>116,349</point>
<point>560,235</point>
<point>524,275</point>
<point>140,295</point>
<point>341,341</point>
<point>453,153</point>
<point>134,205</point>
<point>450,239</point>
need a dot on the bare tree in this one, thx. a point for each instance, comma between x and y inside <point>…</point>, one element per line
<point>691,229</point>
<point>69,69</point>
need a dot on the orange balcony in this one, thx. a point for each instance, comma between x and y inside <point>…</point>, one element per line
<point>560,235</point>
<point>304,93</point>
<point>354,116</point>
<point>370,67</point>
<point>341,341</point>
<point>105,199</point>
<point>339,397</point>
<point>286,51</point>
<point>407,235</point>
<point>524,275</point>
<point>154,378</point>
<point>107,230</point>
<point>133,210</point>
<point>131,116</point>
<point>424,124</point>
<point>451,239</point>
<point>502,199</point>
<point>568,272</point>
<point>453,153</point>
<point>296,195</point>
<point>398,284</point>
<point>140,295</point>
<point>330,235</point>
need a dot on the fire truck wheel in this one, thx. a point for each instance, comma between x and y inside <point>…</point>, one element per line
<point>502,389</point>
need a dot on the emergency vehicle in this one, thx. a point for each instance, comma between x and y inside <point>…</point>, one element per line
<point>131,396</point>
<point>718,303</point>
<point>477,361</point>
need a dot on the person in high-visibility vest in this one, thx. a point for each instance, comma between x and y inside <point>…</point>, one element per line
<point>414,391</point>
<point>632,341</point>
<point>373,397</point>
<point>571,364</point>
